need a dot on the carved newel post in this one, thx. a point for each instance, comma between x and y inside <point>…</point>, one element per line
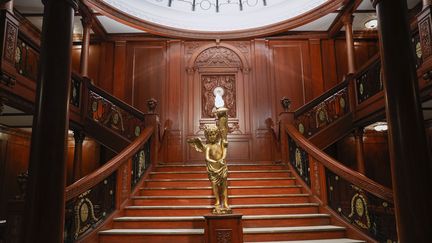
<point>222,224</point>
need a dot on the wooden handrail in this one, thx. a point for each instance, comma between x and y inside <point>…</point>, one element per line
<point>321,98</point>
<point>107,169</point>
<point>135,112</point>
<point>339,169</point>
<point>367,65</point>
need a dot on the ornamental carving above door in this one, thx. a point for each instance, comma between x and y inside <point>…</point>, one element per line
<point>208,84</point>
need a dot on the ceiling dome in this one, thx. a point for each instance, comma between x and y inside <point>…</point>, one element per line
<point>216,18</point>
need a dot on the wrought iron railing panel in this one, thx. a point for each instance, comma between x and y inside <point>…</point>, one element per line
<point>26,60</point>
<point>372,215</point>
<point>324,113</point>
<point>88,210</point>
<point>140,163</point>
<point>75,92</point>
<point>369,82</point>
<point>116,119</point>
<point>299,159</point>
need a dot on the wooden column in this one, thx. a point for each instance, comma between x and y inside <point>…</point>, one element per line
<point>7,5</point>
<point>45,205</point>
<point>347,21</point>
<point>77,173</point>
<point>410,157</point>
<point>358,136</point>
<point>85,47</point>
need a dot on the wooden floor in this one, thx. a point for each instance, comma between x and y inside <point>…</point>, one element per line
<point>171,204</point>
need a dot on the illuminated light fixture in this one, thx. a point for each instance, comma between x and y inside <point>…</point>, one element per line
<point>371,24</point>
<point>381,127</point>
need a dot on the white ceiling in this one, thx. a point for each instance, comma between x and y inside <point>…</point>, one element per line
<point>321,24</point>
<point>113,27</point>
<point>180,14</point>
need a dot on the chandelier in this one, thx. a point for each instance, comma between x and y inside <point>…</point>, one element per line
<point>217,4</point>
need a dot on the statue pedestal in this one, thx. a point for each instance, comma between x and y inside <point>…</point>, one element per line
<point>225,228</point>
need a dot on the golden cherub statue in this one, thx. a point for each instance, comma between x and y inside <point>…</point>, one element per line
<point>215,150</point>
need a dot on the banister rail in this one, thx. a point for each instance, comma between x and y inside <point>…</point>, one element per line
<point>116,101</point>
<point>311,104</point>
<point>364,204</point>
<point>338,168</point>
<point>111,166</point>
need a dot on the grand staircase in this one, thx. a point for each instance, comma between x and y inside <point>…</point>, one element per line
<point>171,204</point>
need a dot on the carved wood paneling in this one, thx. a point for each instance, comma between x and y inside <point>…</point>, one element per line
<point>209,83</point>
<point>10,42</point>
<point>218,57</point>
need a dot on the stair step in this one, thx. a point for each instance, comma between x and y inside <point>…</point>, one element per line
<point>343,240</point>
<point>232,190</point>
<point>231,174</point>
<point>202,167</point>
<point>293,233</point>
<point>247,209</point>
<point>198,221</point>
<point>232,199</point>
<point>231,181</point>
<point>151,235</point>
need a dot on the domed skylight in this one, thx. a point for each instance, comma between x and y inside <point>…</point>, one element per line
<point>214,15</point>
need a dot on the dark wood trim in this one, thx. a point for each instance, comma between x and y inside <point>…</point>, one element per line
<point>338,168</point>
<point>107,169</point>
<point>347,10</point>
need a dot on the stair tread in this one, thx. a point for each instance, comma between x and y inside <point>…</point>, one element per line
<point>246,217</point>
<point>229,179</point>
<point>203,164</point>
<point>259,230</point>
<point>343,240</point>
<point>229,196</point>
<point>209,187</point>
<point>231,171</point>
<point>232,206</point>
<point>152,231</point>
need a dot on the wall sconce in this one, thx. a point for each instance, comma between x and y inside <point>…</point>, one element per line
<point>371,24</point>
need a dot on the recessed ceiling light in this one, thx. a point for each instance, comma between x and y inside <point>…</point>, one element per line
<point>380,127</point>
<point>371,24</point>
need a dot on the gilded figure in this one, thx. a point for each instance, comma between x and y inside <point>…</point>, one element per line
<point>215,150</point>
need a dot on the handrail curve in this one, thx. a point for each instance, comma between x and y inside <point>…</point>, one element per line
<point>107,169</point>
<point>338,168</point>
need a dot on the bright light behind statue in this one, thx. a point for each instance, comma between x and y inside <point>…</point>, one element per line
<point>219,92</point>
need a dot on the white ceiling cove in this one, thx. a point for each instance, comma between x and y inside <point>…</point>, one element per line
<point>180,15</point>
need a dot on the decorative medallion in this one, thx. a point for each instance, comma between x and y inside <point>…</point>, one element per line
<point>298,160</point>
<point>94,106</point>
<point>84,212</point>
<point>141,163</point>
<point>359,211</point>
<point>361,89</point>
<point>418,50</point>
<point>137,131</point>
<point>223,236</point>
<point>342,102</point>
<point>301,128</point>
<point>115,119</point>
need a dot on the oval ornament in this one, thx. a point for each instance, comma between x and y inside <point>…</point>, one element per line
<point>301,128</point>
<point>137,131</point>
<point>342,102</point>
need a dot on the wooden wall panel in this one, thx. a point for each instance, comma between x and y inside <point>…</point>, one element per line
<point>95,52</point>
<point>146,72</point>
<point>300,69</point>
<point>329,64</point>
<point>363,50</point>
<point>290,69</point>
<point>14,157</point>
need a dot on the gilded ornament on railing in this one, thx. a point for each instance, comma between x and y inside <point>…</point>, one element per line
<point>113,117</point>
<point>359,211</point>
<point>215,150</point>
<point>324,113</point>
<point>84,214</point>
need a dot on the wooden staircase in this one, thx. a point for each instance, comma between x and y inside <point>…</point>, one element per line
<point>171,205</point>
